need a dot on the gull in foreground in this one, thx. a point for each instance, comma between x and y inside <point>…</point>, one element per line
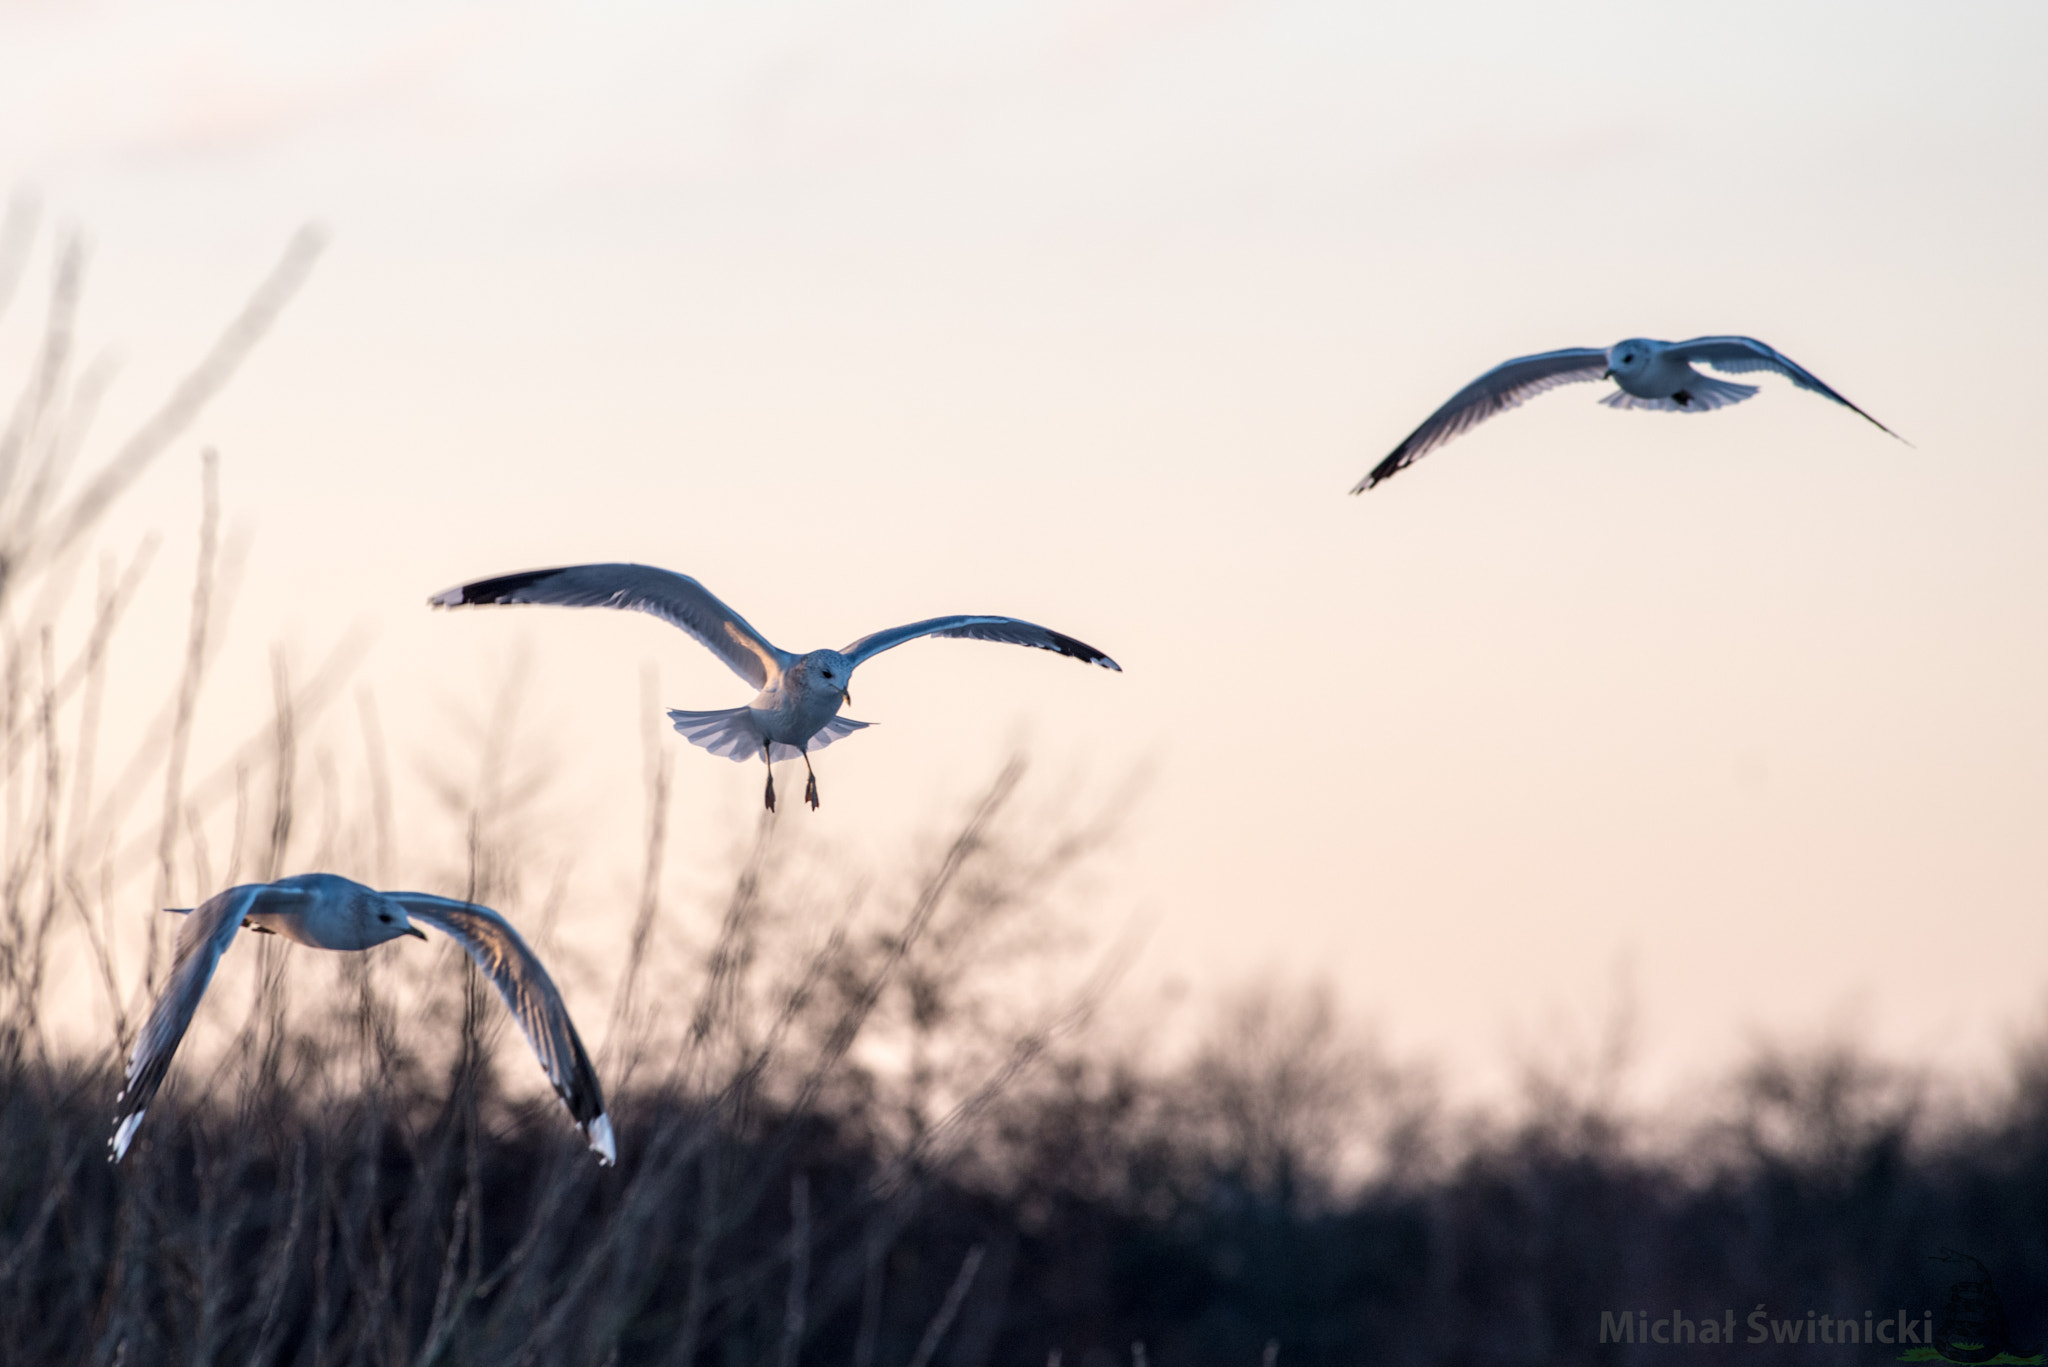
<point>797,709</point>
<point>330,912</point>
<point>1650,374</point>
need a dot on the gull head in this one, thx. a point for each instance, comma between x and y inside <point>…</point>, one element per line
<point>368,919</point>
<point>1629,359</point>
<point>825,671</point>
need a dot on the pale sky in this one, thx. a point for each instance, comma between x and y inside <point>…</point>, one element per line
<point>1091,314</point>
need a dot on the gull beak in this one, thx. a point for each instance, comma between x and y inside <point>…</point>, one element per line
<point>1607,374</point>
<point>847,694</point>
<point>416,932</point>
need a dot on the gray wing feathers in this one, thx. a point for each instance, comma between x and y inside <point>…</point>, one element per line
<point>1740,355</point>
<point>1508,385</point>
<point>202,938</point>
<point>675,598</point>
<point>530,994</point>
<point>1008,630</point>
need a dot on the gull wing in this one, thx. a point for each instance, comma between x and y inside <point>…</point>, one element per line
<point>675,598</point>
<point>201,941</point>
<point>530,994</point>
<point>1009,630</point>
<point>1737,355</point>
<point>1508,385</point>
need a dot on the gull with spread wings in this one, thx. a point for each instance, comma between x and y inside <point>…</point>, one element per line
<point>1649,374</point>
<point>797,708</point>
<point>326,911</point>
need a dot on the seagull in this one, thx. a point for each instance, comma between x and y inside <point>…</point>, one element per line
<point>326,911</point>
<point>1651,374</point>
<point>797,709</point>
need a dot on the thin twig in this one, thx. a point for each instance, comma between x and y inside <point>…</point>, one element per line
<point>943,1321</point>
<point>799,1268</point>
<point>658,768</point>
<point>191,395</point>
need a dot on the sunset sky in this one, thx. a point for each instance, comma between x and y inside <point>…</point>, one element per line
<point>1091,313</point>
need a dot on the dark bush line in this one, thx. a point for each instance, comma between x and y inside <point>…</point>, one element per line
<point>249,1233</point>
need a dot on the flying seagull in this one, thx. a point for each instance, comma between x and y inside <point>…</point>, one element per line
<point>1651,374</point>
<point>797,709</point>
<point>326,911</point>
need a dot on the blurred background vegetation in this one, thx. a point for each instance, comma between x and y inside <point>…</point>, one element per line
<point>860,1121</point>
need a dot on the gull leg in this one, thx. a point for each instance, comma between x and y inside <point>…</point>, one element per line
<point>810,782</point>
<point>767,759</point>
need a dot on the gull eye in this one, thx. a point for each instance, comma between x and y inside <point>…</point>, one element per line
<point>384,917</point>
<point>828,673</point>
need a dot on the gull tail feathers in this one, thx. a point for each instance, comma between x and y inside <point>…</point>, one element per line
<point>837,729</point>
<point>1703,394</point>
<point>735,734</point>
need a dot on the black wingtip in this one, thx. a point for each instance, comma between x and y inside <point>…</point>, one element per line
<point>1082,651</point>
<point>1384,471</point>
<point>487,591</point>
<point>1888,431</point>
<point>584,1095</point>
